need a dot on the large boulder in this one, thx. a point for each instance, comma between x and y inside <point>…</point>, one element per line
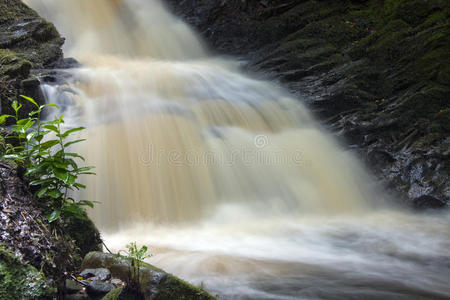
<point>154,282</point>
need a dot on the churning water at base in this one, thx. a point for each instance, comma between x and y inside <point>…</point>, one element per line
<point>228,179</point>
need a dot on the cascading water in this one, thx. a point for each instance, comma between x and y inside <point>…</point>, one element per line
<point>230,181</point>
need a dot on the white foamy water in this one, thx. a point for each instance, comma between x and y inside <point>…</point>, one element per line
<point>228,179</point>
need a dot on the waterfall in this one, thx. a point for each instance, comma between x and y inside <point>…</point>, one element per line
<point>230,178</point>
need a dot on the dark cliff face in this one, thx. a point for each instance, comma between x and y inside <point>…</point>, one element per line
<point>26,42</point>
<point>376,72</point>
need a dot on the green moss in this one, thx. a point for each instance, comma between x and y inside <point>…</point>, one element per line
<point>85,235</point>
<point>113,295</point>
<point>172,287</point>
<point>13,66</point>
<point>20,281</point>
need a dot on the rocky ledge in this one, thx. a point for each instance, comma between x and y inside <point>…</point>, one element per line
<point>26,42</point>
<point>105,275</point>
<point>376,72</point>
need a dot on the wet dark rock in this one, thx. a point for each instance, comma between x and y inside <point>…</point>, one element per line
<point>31,82</point>
<point>27,42</point>
<point>99,274</point>
<point>67,63</point>
<point>73,287</point>
<point>377,73</point>
<point>32,38</point>
<point>428,202</point>
<point>98,288</point>
<point>76,297</point>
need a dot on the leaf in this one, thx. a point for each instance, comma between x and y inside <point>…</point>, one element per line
<point>66,134</point>
<point>55,194</point>
<point>12,156</point>
<point>4,117</point>
<point>54,215</point>
<point>16,106</point>
<point>42,181</point>
<point>71,179</point>
<point>61,174</point>
<point>34,112</point>
<point>74,155</point>
<point>51,105</point>
<point>31,170</point>
<point>74,209</point>
<point>22,122</point>
<point>52,128</point>
<point>31,135</point>
<point>39,137</point>
<point>73,142</point>
<point>61,165</point>
<point>29,123</point>
<point>72,163</point>
<point>30,99</point>
<point>84,169</point>
<point>42,153</point>
<point>87,203</point>
<point>79,186</point>
<point>48,144</point>
<point>42,192</point>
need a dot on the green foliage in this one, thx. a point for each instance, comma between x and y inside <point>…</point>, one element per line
<point>136,257</point>
<point>42,149</point>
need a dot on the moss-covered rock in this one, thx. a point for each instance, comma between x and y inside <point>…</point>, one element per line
<point>85,235</point>
<point>13,66</point>
<point>154,282</point>
<point>113,295</point>
<point>21,281</point>
<point>29,36</point>
<point>26,41</point>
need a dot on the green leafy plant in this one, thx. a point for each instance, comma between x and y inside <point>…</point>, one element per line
<point>136,257</point>
<point>42,148</point>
